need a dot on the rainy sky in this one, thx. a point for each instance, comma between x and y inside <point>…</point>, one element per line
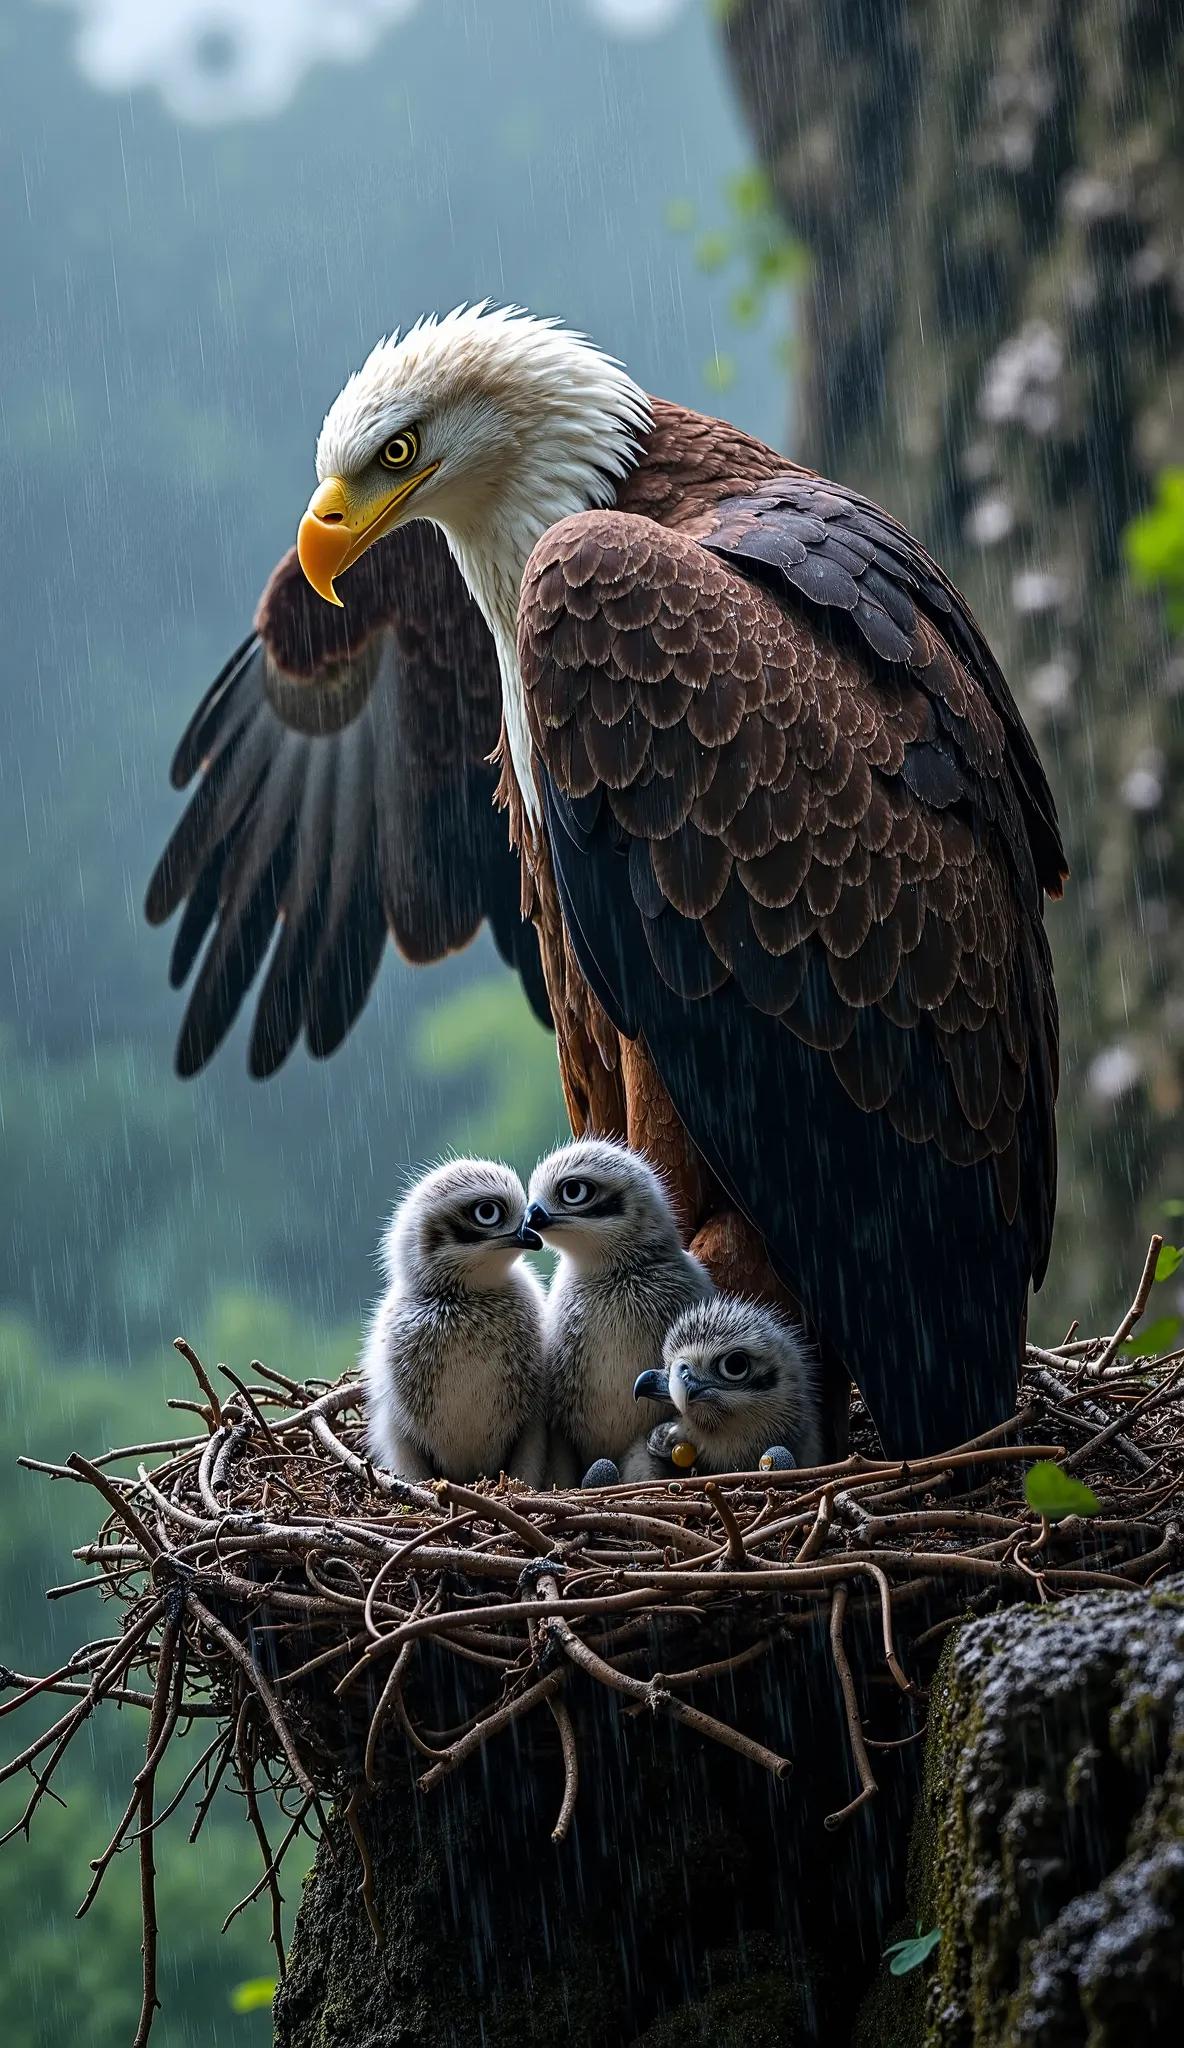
<point>213,210</point>
<point>210,212</point>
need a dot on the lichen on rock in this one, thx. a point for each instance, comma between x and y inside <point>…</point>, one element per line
<point>1050,1846</point>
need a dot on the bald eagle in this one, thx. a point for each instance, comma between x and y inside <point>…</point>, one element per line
<point>778,838</point>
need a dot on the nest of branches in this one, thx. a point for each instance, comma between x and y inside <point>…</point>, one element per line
<point>268,1581</point>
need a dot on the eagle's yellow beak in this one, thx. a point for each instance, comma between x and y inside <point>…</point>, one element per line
<point>334,531</point>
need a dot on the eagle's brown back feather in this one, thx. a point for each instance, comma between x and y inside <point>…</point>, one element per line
<point>761,771</point>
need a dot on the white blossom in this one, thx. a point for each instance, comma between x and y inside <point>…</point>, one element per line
<point>1113,1073</point>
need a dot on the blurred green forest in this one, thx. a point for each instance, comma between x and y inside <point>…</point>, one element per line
<point>178,307</point>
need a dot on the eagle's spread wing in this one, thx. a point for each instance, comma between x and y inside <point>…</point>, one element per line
<point>345,792</point>
<point>800,836</point>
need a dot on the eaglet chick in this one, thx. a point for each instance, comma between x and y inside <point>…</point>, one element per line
<point>453,1357</point>
<point>621,1280</point>
<point>742,1380</point>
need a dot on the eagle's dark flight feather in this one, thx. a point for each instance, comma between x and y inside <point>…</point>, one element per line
<point>346,793</point>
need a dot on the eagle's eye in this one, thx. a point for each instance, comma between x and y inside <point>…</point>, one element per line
<point>736,1365</point>
<point>575,1193</point>
<point>488,1214</point>
<point>400,452</point>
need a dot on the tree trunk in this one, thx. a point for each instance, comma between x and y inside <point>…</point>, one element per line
<point>992,195</point>
<point>696,1900</point>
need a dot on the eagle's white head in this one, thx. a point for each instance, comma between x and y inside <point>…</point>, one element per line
<point>493,425</point>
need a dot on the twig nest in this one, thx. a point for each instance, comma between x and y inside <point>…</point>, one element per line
<point>276,1528</point>
<point>602,1472</point>
<point>778,1459</point>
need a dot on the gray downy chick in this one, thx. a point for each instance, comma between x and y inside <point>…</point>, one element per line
<point>453,1357</point>
<point>621,1280</point>
<point>741,1378</point>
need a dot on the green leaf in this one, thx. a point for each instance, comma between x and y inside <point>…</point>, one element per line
<point>745,306</point>
<point>680,216</point>
<point>783,262</point>
<point>749,193</point>
<point>1173,1208</point>
<point>904,1956</point>
<point>1154,541</point>
<point>713,250</point>
<point>1053,1492</point>
<point>1156,1338</point>
<point>1169,1258</point>
<point>486,1038</point>
<point>253,1995</point>
<point>719,372</point>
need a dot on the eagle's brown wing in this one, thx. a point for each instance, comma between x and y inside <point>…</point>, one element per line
<point>801,854</point>
<point>345,792</point>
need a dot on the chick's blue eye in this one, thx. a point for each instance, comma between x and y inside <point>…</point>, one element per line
<point>735,1366</point>
<point>487,1214</point>
<point>574,1193</point>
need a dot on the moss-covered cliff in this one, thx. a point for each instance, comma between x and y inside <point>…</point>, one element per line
<point>993,338</point>
<point>1049,1845</point>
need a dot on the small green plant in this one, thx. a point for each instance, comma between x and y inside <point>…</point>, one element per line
<point>1154,1340</point>
<point>487,1043</point>
<point>1054,1493</point>
<point>754,237</point>
<point>904,1956</point>
<point>1155,545</point>
<point>253,1994</point>
<point>719,372</point>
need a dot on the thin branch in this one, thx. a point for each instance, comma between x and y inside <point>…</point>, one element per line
<point>735,1554</point>
<point>1049,1382</point>
<point>821,1529</point>
<point>160,1725</point>
<point>258,1684</point>
<point>272,1870</point>
<point>391,1694</point>
<point>116,1500</point>
<point>1134,1313</point>
<point>252,1404</point>
<point>491,1509</point>
<point>209,1795</point>
<point>867,1782</point>
<point>367,1885</point>
<point>203,1380</point>
<point>490,1725</point>
<point>571,1766</point>
<point>652,1693</point>
<point>1154,1399</point>
<point>171,1654</point>
<point>244,1761</point>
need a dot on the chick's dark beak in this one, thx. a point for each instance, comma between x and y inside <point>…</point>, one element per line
<point>536,1218</point>
<point>696,1389</point>
<point>651,1386</point>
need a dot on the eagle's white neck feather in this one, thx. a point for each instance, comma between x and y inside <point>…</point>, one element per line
<point>528,422</point>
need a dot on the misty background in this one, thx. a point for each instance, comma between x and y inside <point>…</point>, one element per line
<point>934,248</point>
<point>211,210</point>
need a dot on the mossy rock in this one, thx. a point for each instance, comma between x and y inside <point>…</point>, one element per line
<point>893,2013</point>
<point>752,2003</point>
<point>1050,1844</point>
